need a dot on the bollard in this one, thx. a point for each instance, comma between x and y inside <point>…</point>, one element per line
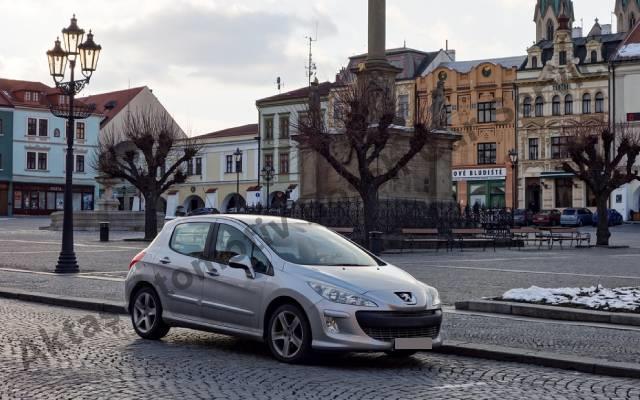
<point>376,243</point>
<point>104,231</point>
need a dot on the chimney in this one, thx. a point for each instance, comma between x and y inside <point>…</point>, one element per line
<point>606,29</point>
<point>577,32</point>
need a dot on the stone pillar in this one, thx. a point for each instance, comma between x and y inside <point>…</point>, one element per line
<point>377,31</point>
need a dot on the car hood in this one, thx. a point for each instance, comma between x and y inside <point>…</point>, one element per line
<point>359,279</point>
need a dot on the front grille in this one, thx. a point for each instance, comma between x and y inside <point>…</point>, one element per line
<point>388,334</point>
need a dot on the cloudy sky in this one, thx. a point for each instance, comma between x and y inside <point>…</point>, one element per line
<point>209,60</point>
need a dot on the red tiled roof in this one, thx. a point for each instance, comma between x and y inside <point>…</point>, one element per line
<point>9,89</point>
<point>302,93</point>
<point>4,101</point>
<point>111,103</point>
<point>633,38</point>
<point>244,130</point>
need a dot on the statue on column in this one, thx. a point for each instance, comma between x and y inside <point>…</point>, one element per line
<point>438,107</point>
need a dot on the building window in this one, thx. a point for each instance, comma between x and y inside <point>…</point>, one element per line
<point>43,127</point>
<point>189,167</point>
<point>555,105</point>
<point>486,153</point>
<point>526,107</point>
<point>563,58</point>
<point>63,99</point>
<point>42,161</point>
<point>632,22</point>
<point>80,130</point>
<point>198,165</point>
<point>1,162</point>
<point>564,192</point>
<point>31,160</point>
<point>31,97</point>
<point>56,132</point>
<point>268,128</point>
<point>534,62</point>
<point>268,160</point>
<point>284,163</point>
<point>403,107</point>
<point>594,56</point>
<point>568,105</point>
<point>229,164</point>
<point>447,110</point>
<point>79,163</point>
<point>32,126</point>
<point>533,149</point>
<point>539,106</point>
<point>559,147</point>
<point>1,128</point>
<point>549,30</point>
<point>586,103</point>
<point>487,112</point>
<point>284,127</point>
<point>599,102</point>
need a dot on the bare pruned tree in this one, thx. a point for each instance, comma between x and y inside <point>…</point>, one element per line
<point>364,125</point>
<point>604,158</point>
<point>149,151</point>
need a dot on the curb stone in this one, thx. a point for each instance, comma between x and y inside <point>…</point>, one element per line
<point>549,312</point>
<point>81,303</point>
<point>545,359</point>
<point>466,349</point>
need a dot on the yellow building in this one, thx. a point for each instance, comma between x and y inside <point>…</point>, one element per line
<point>481,107</point>
<point>220,176</point>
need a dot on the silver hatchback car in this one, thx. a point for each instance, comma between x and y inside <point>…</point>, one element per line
<point>297,286</point>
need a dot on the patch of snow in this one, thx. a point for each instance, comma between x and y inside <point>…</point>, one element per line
<point>630,50</point>
<point>597,298</point>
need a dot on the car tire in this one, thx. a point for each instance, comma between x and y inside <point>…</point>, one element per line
<point>288,326</point>
<point>146,315</point>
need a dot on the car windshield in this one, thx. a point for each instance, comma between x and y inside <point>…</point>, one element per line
<point>311,244</point>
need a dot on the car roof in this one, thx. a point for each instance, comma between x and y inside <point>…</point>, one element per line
<point>247,219</point>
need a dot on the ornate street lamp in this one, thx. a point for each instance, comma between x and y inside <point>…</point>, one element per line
<point>268,173</point>
<point>238,158</point>
<point>63,53</point>
<point>513,156</point>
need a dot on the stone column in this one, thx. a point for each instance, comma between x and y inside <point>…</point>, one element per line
<point>377,31</point>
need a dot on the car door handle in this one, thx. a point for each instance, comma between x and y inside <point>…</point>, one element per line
<point>165,260</point>
<point>213,272</point>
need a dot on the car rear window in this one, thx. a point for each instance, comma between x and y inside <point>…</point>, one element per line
<point>190,238</point>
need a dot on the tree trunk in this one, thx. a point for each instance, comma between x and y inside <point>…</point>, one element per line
<point>370,208</point>
<point>603,233</point>
<point>150,216</point>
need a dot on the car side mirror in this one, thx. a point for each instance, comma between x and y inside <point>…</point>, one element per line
<point>243,262</point>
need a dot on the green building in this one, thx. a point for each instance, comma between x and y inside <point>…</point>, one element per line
<point>6,159</point>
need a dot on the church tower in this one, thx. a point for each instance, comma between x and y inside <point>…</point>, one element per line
<point>627,13</point>
<point>546,17</point>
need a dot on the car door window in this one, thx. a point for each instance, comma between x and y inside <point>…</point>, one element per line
<point>231,242</point>
<point>190,238</point>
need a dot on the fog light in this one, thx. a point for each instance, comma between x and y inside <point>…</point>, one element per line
<point>332,324</point>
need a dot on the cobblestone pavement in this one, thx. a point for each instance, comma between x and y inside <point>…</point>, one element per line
<point>53,353</point>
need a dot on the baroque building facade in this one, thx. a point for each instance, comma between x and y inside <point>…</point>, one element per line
<point>480,98</point>
<point>563,81</point>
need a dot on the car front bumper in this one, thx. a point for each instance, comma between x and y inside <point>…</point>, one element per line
<point>370,329</point>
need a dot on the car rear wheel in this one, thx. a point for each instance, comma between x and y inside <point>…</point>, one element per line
<point>289,335</point>
<point>146,315</point>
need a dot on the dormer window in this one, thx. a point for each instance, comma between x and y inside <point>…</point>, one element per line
<point>563,58</point>
<point>534,62</point>
<point>31,97</point>
<point>63,99</point>
<point>594,56</point>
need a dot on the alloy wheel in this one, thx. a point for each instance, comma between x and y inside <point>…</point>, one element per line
<point>144,312</point>
<point>287,335</point>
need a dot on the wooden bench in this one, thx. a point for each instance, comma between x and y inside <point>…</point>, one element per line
<point>344,231</point>
<point>473,235</point>
<point>416,235</point>
<point>527,235</point>
<point>571,235</point>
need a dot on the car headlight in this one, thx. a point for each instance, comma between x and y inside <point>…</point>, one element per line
<point>435,297</point>
<point>341,296</point>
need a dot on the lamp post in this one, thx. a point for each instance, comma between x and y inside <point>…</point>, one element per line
<point>238,158</point>
<point>267,174</point>
<point>513,156</point>
<point>72,47</point>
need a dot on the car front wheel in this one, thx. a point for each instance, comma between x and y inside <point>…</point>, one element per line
<point>289,335</point>
<point>146,315</point>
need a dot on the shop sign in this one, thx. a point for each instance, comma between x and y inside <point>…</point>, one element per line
<point>478,174</point>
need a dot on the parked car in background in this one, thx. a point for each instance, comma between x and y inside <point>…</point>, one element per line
<point>547,218</point>
<point>203,211</point>
<point>576,217</point>
<point>308,289</point>
<point>180,211</point>
<point>615,218</point>
<point>522,217</point>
